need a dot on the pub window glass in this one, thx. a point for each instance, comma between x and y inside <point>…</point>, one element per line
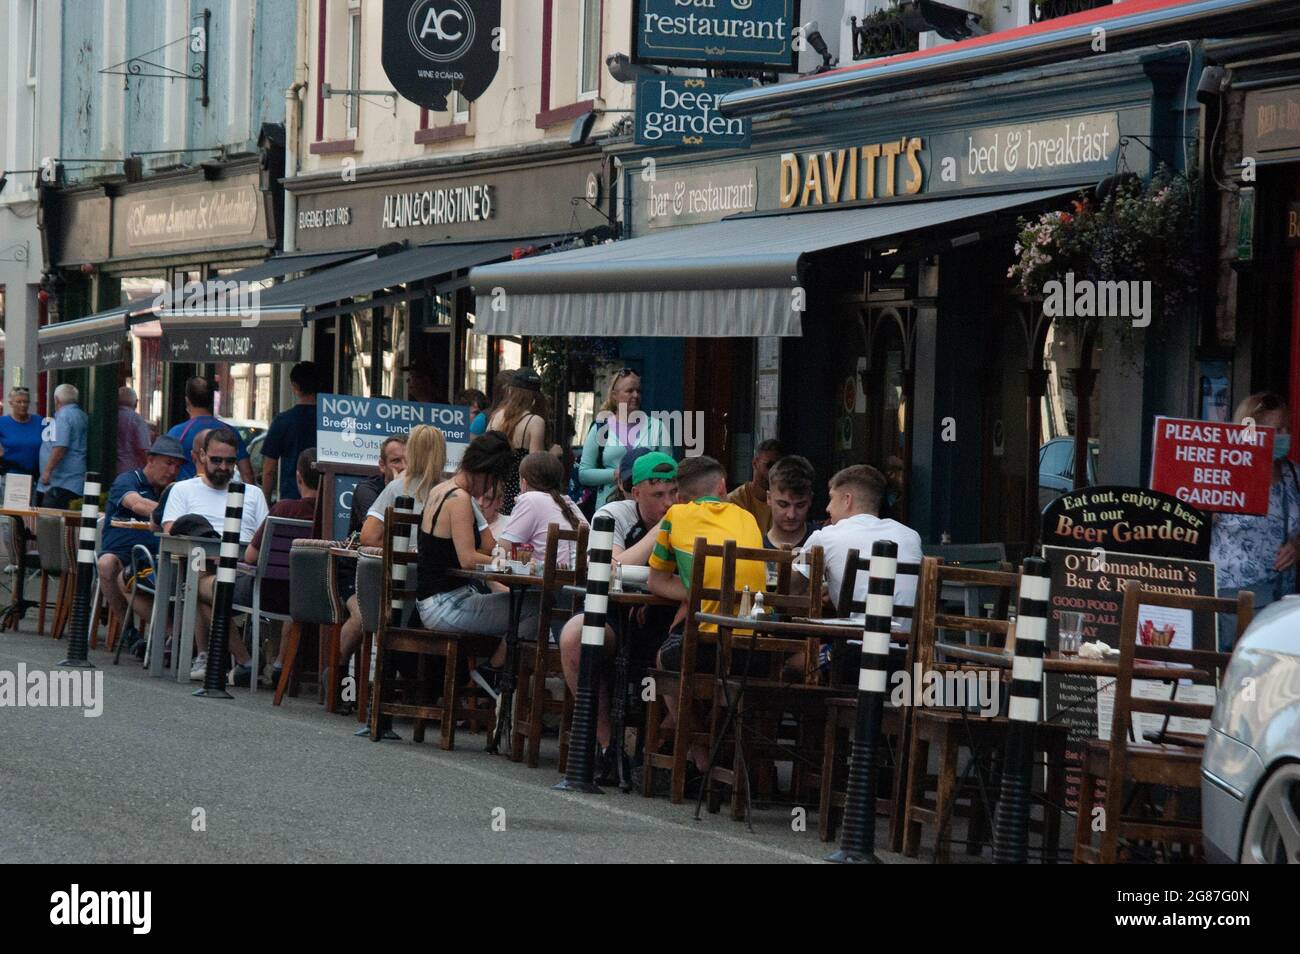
<point>394,346</point>
<point>476,359</point>
<point>357,353</point>
<point>146,348</point>
<point>1060,412</point>
<point>589,54</point>
<point>510,353</point>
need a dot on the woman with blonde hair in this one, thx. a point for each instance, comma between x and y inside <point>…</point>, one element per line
<point>426,458</point>
<point>614,433</point>
<point>1258,553</point>
<point>521,418</point>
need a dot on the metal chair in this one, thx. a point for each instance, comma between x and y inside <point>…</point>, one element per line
<point>278,536</point>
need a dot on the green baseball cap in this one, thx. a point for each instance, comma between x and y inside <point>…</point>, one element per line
<point>653,466</point>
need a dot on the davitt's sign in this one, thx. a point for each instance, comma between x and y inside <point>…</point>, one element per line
<point>758,34</point>
<point>432,47</point>
<point>683,111</point>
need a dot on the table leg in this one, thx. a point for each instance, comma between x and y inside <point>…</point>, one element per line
<point>158,621</point>
<point>618,699</point>
<point>506,702</point>
<point>189,611</point>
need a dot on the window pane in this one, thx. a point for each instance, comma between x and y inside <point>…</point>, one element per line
<point>354,67</point>
<point>590,46</point>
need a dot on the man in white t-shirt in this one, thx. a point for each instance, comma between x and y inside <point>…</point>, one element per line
<point>855,497</point>
<point>205,495</point>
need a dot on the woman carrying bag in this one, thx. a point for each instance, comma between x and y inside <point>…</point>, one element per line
<point>609,439</point>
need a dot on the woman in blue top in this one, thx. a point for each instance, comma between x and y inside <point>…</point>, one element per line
<point>20,436</point>
<point>477,403</point>
<point>1258,553</point>
<point>614,432</point>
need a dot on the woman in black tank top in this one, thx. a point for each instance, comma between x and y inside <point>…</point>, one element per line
<point>454,535</point>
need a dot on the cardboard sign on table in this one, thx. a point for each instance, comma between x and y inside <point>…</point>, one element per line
<point>1213,465</point>
<point>18,492</point>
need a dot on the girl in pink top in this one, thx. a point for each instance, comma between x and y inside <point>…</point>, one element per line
<point>541,502</point>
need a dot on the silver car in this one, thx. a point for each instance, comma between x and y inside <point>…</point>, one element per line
<point>1250,776</point>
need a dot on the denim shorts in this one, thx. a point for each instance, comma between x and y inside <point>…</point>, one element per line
<point>467,609</point>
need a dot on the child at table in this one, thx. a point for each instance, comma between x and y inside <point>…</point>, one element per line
<point>541,503</point>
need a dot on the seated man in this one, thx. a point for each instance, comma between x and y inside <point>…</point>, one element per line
<point>649,479</point>
<point>700,512</point>
<point>134,496</point>
<point>789,498</point>
<point>195,458</point>
<point>205,496</point>
<point>392,463</point>
<point>856,494</point>
<point>275,597</point>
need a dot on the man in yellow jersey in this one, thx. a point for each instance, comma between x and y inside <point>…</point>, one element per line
<point>700,511</point>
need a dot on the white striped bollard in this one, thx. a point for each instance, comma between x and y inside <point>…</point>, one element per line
<point>381,727</point>
<point>858,839</point>
<point>1011,823</point>
<point>579,775</point>
<point>223,595</point>
<point>87,570</point>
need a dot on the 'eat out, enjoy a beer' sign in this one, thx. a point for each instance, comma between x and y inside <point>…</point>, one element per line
<point>1212,465</point>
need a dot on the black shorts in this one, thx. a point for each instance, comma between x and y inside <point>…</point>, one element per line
<point>670,657</point>
<point>646,637</point>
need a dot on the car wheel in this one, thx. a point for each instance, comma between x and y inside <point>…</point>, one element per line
<point>1273,832</point>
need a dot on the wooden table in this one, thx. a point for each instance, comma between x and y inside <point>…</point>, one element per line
<point>627,599</point>
<point>177,552</point>
<point>1055,662</point>
<point>518,585</point>
<point>17,605</point>
<point>132,525</point>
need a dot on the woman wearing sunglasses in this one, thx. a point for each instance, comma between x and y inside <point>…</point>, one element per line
<point>614,433</point>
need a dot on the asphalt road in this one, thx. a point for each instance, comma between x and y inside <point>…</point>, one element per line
<point>295,785</point>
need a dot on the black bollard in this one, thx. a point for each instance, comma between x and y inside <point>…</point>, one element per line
<point>214,677</point>
<point>381,727</point>
<point>1011,823</point>
<point>79,640</point>
<point>579,775</point>
<point>858,839</point>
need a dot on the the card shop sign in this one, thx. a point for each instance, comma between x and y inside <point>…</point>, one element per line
<point>757,34</point>
<point>683,111</point>
<point>431,47</point>
<point>261,341</point>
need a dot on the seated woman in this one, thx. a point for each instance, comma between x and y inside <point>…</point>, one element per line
<point>541,502</point>
<point>454,535</point>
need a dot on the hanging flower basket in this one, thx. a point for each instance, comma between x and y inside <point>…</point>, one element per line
<point>1138,233</point>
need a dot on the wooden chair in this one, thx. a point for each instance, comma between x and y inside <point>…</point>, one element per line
<point>1123,763</point>
<point>370,583</point>
<point>393,637</point>
<point>760,734</point>
<point>23,560</point>
<point>278,537</point>
<point>541,660</point>
<point>692,686</point>
<point>950,730</point>
<point>313,601</point>
<point>841,715</point>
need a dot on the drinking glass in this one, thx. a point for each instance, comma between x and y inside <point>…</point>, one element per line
<point>1071,632</point>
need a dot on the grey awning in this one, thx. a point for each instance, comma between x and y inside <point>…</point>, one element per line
<point>374,274</point>
<point>83,342</point>
<point>262,335</point>
<point>292,262</point>
<point>733,278</point>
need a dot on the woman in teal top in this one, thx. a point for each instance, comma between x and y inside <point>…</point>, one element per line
<point>614,432</point>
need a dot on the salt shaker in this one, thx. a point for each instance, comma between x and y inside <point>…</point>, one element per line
<point>616,585</point>
<point>746,602</point>
<point>757,609</point>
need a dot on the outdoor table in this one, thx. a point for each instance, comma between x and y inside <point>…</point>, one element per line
<point>175,551</point>
<point>1055,662</point>
<point>132,525</point>
<point>17,605</point>
<point>627,599</point>
<point>518,585</point>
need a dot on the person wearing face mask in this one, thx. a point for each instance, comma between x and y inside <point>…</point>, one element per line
<point>1258,553</point>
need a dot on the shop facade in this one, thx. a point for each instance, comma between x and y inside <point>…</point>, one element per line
<point>842,284</point>
<point>118,250</point>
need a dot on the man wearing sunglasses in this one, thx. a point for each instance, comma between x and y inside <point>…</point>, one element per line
<point>205,496</point>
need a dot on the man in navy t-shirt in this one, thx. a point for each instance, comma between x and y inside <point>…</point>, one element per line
<point>134,496</point>
<point>292,432</point>
<point>198,405</point>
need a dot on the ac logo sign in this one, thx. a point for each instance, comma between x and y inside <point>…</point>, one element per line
<point>442,30</point>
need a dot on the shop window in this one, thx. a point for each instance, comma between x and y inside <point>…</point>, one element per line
<point>589,50</point>
<point>476,360</point>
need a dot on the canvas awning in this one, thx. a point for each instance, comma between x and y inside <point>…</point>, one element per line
<point>83,342</point>
<point>734,278</point>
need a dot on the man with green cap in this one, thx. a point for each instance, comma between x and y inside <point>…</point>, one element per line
<point>649,478</point>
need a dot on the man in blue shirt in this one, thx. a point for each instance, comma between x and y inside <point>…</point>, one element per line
<point>198,406</point>
<point>63,451</point>
<point>292,432</point>
<point>20,436</point>
<point>134,496</point>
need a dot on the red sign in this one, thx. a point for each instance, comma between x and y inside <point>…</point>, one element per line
<point>1214,466</point>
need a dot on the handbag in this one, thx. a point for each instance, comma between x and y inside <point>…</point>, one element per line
<point>586,500</point>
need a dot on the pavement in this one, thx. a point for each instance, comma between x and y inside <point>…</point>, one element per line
<point>163,776</point>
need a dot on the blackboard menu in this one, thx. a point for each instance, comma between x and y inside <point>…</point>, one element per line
<point>1092,583</point>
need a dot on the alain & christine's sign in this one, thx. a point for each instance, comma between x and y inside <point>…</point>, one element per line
<point>1082,146</point>
<point>682,111</point>
<point>431,47</point>
<point>753,34</point>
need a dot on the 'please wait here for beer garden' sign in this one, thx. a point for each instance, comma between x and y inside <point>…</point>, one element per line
<point>1212,465</point>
